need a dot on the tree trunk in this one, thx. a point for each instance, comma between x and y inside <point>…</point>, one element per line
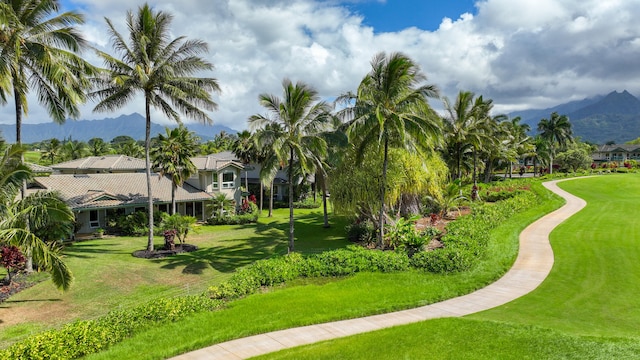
<point>324,202</point>
<point>382,194</point>
<point>147,143</point>
<point>261,196</point>
<point>550,164</point>
<point>28,266</point>
<point>271,200</point>
<point>246,184</point>
<point>291,229</point>
<point>173,197</point>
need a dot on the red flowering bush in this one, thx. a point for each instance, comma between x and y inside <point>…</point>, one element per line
<point>11,259</point>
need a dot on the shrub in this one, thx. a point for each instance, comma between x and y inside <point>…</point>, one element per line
<point>449,259</point>
<point>361,231</point>
<point>308,203</point>
<point>85,337</point>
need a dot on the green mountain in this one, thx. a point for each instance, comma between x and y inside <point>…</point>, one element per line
<point>614,117</point>
<point>132,125</point>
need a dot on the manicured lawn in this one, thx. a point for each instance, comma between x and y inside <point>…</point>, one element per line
<point>314,301</point>
<point>586,309</point>
<point>108,277</point>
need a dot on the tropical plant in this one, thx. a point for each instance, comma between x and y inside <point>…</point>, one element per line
<point>162,70</point>
<point>448,199</point>
<point>39,49</point>
<point>129,148</point>
<point>244,147</point>
<point>98,147</point>
<point>12,260</point>
<point>390,109</point>
<point>301,117</point>
<point>23,218</point>
<point>172,156</point>
<point>51,149</point>
<point>557,133</point>
<point>182,224</point>
<point>465,127</point>
<point>74,149</point>
<point>220,205</point>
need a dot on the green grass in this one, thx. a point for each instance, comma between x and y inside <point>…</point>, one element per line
<point>310,301</point>
<point>32,157</point>
<point>586,309</point>
<point>108,277</point>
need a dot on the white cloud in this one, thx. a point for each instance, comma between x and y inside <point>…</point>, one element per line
<point>522,54</point>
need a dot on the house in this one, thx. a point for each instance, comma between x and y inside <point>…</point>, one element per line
<point>96,197</point>
<point>224,162</point>
<point>618,153</point>
<point>97,187</point>
<point>101,164</point>
<point>218,173</point>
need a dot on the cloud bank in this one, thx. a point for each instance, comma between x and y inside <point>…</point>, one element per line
<point>522,54</point>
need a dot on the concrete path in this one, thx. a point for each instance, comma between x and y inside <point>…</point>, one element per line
<point>534,262</point>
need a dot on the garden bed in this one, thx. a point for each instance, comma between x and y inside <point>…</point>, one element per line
<point>162,253</point>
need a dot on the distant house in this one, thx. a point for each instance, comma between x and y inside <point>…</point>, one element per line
<point>618,153</point>
<point>101,164</point>
<point>95,197</point>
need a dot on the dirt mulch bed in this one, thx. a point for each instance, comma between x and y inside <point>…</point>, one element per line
<point>441,224</point>
<point>19,282</point>
<point>161,253</point>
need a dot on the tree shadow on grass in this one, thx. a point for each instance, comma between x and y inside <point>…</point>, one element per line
<point>82,250</point>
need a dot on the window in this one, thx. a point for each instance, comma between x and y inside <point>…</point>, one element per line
<point>214,181</point>
<point>228,180</point>
<point>163,208</point>
<point>93,219</point>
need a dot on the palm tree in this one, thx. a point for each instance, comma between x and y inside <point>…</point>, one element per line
<point>172,156</point>
<point>74,149</point>
<point>98,146</point>
<point>556,131</point>
<point>51,149</point>
<point>38,51</point>
<point>244,147</point>
<point>22,219</point>
<point>301,117</point>
<point>391,110</point>
<point>265,138</point>
<point>162,70</point>
<point>130,148</point>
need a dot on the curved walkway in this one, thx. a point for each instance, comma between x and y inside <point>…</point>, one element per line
<point>534,262</point>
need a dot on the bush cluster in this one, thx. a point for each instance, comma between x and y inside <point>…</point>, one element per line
<point>278,270</point>
<point>467,238</point>
<point>85,337</point>
<point>361,231</point>
<point>250,215</point>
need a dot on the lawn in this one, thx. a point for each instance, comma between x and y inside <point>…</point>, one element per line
<point>315,301</point>
<point>586,309</point>
<point>108,277</point>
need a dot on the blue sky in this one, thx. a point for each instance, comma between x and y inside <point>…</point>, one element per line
<point>522,54</point>
<point>397,15</point>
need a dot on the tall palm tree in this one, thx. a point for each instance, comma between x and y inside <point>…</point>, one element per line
<point>39,50</point>
<point>51,150</point>
<point>302,117</point>
<point>265,138</point>
<point>172,156</point>
<point>159,68</point>
<point>465,127</point>
<point>22,219</point>
<point>557,133</point>
<point>390,109</point>
<point>244,147</point>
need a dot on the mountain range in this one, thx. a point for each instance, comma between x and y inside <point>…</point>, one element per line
<point>132,125</point>
<point>600,119</point>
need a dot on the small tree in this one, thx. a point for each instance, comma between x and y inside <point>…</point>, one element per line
<point>219,204</point>
<point>181,224</point>
<point>11,259</point>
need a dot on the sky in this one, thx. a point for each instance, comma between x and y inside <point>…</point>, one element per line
<point>523,54</point>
